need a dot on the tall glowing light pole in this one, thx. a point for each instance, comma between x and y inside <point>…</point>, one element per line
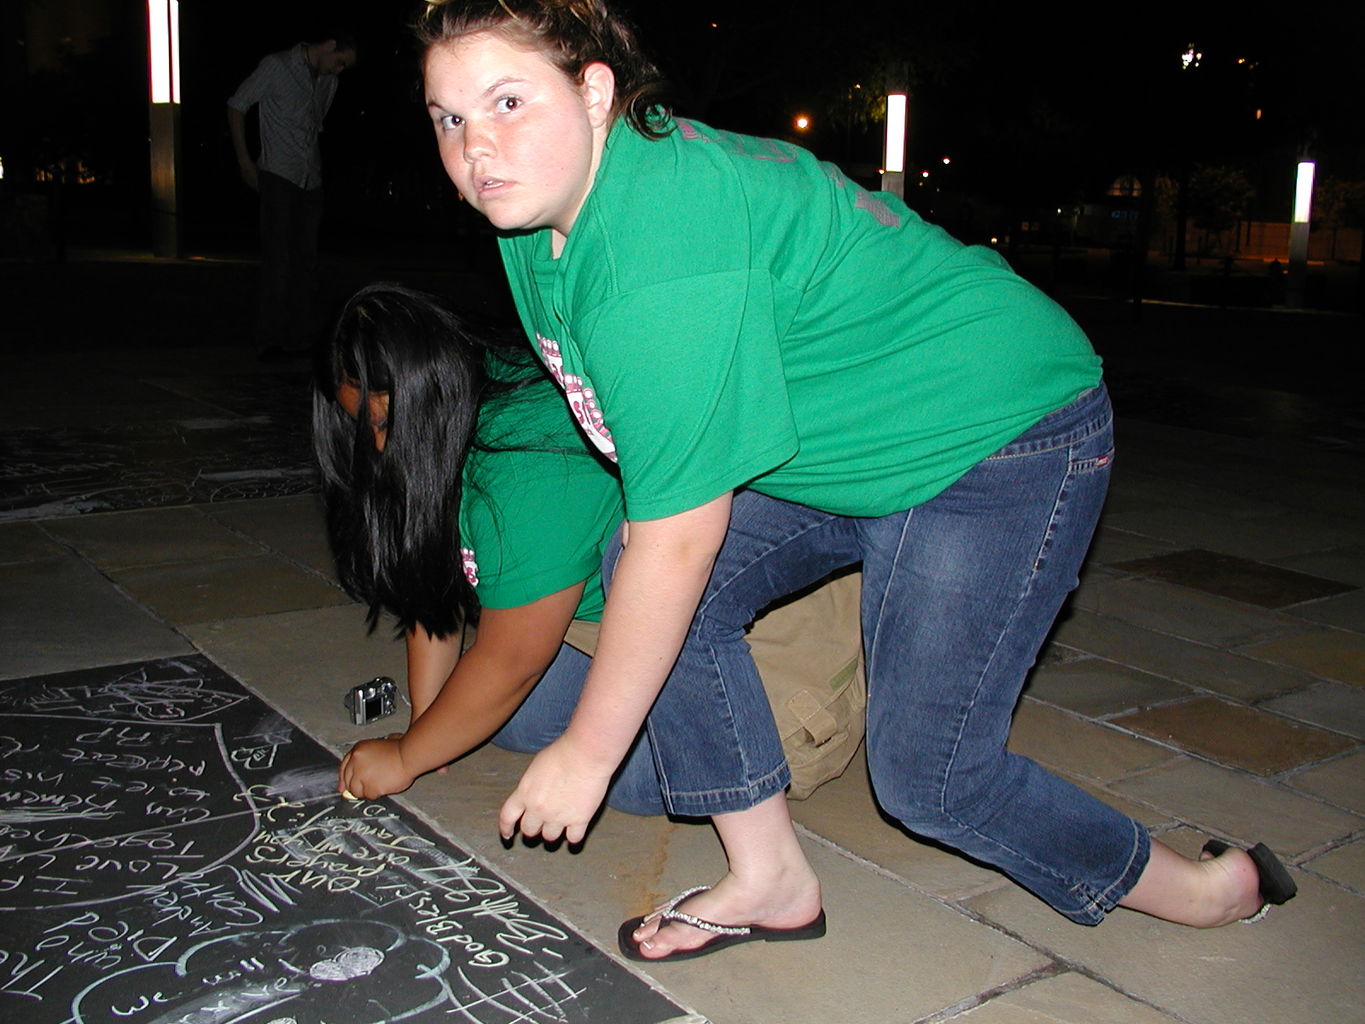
<point>1298,233</point>
<point>163,49</point>
<point>893,155</point>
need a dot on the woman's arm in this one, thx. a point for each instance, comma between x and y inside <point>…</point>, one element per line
<point>654,594</point>
<point>431,660</point>
<point>489,681</point>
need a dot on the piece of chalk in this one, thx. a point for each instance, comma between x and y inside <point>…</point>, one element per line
<point>349,795</point>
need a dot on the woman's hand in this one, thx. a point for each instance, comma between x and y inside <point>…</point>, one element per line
<point>557,796</point>
<point>650,603</point>
<point>374,768</point>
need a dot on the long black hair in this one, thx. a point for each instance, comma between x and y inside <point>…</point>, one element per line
<point>393,515</point>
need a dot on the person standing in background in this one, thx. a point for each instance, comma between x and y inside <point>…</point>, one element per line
<point>294,90</point>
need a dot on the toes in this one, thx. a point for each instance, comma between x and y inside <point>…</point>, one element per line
<point>647,927</point>
<point>655,949</point>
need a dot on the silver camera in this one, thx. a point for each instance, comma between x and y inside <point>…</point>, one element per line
<point>369,702</point>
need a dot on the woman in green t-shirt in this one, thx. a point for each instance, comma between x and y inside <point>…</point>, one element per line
<point>463,493</point>
<point>739,326</point>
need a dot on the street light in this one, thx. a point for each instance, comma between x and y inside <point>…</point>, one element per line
<point>163,50</point>
<point>893,157</point>
<point>1303,190</point>
<point>163,45</point>
<point>1298,233</point>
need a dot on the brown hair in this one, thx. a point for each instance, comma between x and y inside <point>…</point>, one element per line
<point>573,34</point>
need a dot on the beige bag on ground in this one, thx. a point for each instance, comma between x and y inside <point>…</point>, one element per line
<point>809,654</point>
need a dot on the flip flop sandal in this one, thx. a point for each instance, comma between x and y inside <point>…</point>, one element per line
<point>725,934</point>
<point>1277,886</point>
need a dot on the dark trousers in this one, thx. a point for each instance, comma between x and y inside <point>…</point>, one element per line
<point>290,220</point>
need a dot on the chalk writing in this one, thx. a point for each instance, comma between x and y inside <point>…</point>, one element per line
<point>131,807</point>
<point>173,852</point>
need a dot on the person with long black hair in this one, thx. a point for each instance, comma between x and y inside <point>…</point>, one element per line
<point>462,494</point>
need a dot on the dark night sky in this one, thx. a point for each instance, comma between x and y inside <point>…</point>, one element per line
<point>1031,107</point>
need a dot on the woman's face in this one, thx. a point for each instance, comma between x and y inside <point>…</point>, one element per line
<point>519,139</point>
<point>348,397</point>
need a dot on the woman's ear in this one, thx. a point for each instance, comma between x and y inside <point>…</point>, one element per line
<point>599,93</point>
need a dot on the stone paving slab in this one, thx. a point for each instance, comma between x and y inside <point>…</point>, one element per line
<point>1081,747</point>
<point>292,526</point>
<point>1289,533</point>
<point>1235,805</point>
<point>1176,611</point>
<point>1173,657</point>
<point>1329,653</point>
<point>59,614</point>
<point>1344,612</point>
<point>1340,781</point>
<point>1153,483</point>
<point>1238,579</point>
<point>229,588</point>
<point>85,401</point>
<point>1344,865</point>
<point>1345,563</point>
<point>1235,735</point>
<point>150,537</point>
<point>1069,998</point>
<point>310,657</point>
<point>26,542</point>
<point>1300,964</point>
<point>631,864</point>
<point>1287,472</point>
<point>1112,545</point>
<point>1335,706</point>
<point>1097,688</point>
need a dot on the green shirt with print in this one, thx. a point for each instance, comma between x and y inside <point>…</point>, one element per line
<point>729,311</point>
<point>537,509</point>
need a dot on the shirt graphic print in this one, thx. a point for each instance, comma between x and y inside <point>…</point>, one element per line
<point>582,398</point>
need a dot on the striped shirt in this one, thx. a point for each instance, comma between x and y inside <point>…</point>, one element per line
<point>293,101</point>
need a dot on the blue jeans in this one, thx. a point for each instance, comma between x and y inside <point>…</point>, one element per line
<point>958,595</point>
<point>711,728</point>
<point>545,713</point>
<point>710,769</point>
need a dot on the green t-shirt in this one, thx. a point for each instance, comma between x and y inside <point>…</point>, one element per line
<point>537,510</point>
<point>728,310</point>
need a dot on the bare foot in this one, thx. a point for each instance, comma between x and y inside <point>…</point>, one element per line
<point>1205,893</point>
<point>1236,889</point>
<point>789,900</point>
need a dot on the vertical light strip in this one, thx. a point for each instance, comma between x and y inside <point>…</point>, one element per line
<point>893,160</point>
<point>1303,191</point>
<point>163,49</point>
<point>159,50</point>
<point>174,15</point>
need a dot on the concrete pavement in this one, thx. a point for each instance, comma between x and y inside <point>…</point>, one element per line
<point>1209,678</point>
